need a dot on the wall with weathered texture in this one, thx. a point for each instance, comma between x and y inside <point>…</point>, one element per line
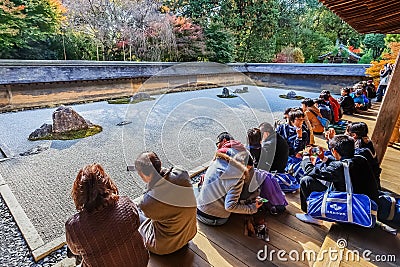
<point>26,84</point>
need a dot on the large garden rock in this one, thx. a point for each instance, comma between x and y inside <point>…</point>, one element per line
<point>66,119</point>
<point>291,94</point>
<point>42,132</point>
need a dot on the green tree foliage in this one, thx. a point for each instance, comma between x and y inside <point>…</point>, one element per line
<point>11,21</point>
<point>332,27</point>
<point>366,58</point>
<point>30,25</point>
<point>254,24</point>
<point>220,43</point>
<point>77,46</point>
<point>376,43</point>
<point>391,38</point>
<point>313,28</point>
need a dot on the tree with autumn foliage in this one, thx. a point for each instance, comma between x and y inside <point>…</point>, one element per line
<point>189,39</point>
<point>387,57</point>
<point>289,55</point>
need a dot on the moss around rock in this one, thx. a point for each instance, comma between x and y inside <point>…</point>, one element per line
<point>297,97</point>
<point>225,96</point>
<point>127,100</point>
<point>70,135</point>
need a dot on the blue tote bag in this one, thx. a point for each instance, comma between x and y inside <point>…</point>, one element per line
<point>344,207</point>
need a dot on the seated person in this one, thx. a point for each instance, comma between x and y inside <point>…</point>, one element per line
<point>223,183</point>
<point>360,100</point>
<point>364,146</point>
<point>311,111</point>
<point>335,106</point>
<point>275,150</point>
<point>325,108</point>
<point>331,170</point>
<point>294,133</point>
<point>168,203</point>
<point>346,102</point>
<point>371,89</point>
<point>359,131</point>
<point>105,229</point>
<point>254,144</point>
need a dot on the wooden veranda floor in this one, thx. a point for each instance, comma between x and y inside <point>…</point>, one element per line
<point>228,246</point>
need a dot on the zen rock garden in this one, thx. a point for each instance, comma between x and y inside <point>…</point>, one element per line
<point>67,124</point>
<point>291,95</point>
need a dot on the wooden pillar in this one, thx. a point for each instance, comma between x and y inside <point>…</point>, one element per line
<point>388,113</point>
<point>396,133</point>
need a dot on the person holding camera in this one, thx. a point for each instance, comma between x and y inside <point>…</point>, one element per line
<point>384,76</point>
<point>331,170</point>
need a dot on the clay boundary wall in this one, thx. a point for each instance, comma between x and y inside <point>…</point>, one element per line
<point>34,84</point>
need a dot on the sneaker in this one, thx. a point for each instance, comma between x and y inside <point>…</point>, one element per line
<point>304,217</point>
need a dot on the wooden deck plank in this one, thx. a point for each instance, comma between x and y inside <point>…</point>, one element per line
<point>235,229</point>
<point>215,254</point>
<point>234,242</point>
<point>330,242</point>
<point>360,263</point>
<point>306,241</point>
<point>375,240</point>
<point>317,232</point>
<point>182,257</point>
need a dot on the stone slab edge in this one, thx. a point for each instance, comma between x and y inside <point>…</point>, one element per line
<point>6,150</point>
<point>48,248</point>
<point>25,225</point>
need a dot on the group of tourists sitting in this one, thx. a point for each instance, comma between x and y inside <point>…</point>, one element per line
<point>110,230</point>
<point>358,98</point>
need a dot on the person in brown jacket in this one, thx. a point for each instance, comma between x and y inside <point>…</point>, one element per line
<point>104,232</point>
<point>169,205</point>
<point>311,111</point>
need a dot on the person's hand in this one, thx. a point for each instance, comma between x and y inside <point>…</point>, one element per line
<point>308,149</point>
<point>259,202</point>
<point>299,132</point>
<point>321,153</point>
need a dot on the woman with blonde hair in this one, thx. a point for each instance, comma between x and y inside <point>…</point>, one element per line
<point>104,232</point>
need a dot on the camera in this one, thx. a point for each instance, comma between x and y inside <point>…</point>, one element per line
<point>315,150</point>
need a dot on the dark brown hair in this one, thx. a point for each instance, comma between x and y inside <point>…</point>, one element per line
<point>254,136</point>
<point>296,113</point>
<point>93,189</point>
<point>148,162</point>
